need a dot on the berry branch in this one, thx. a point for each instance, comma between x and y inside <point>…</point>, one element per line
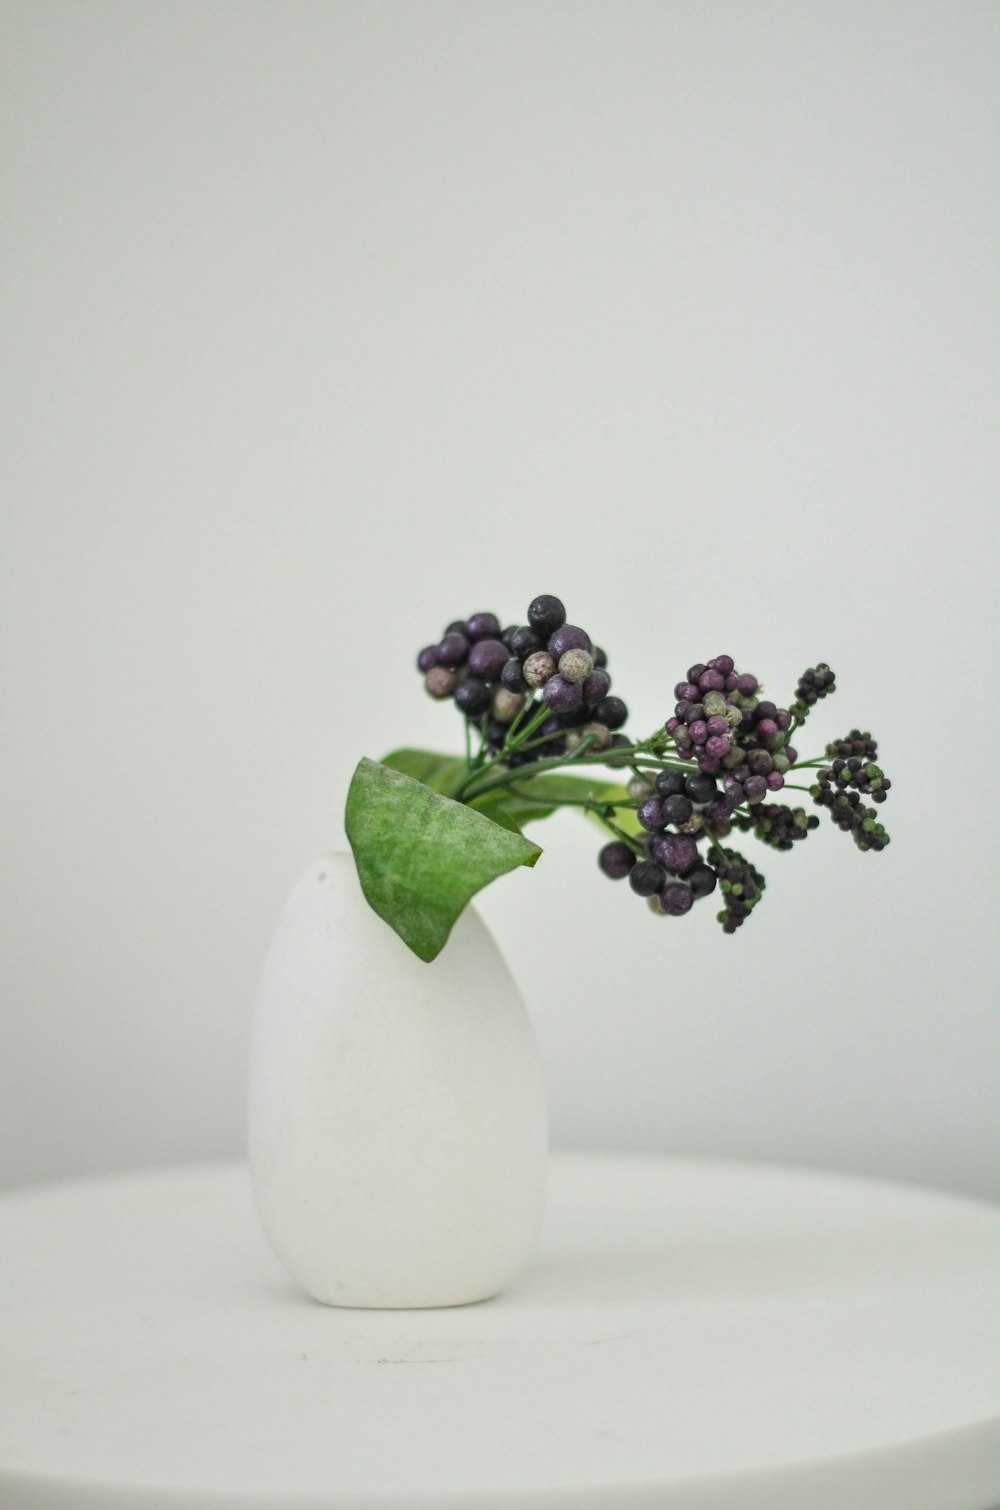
<point>539,696</point>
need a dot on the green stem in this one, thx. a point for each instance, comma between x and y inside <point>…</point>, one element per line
<point>596,805</point>
<point>536,768</point>
<point>470,787</point>
<point>510,745</point>
<point>714,841</point>
<point>516,722</point>
<point>633,843</point>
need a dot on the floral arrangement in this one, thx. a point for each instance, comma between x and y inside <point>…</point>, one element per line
<point>428,831</point>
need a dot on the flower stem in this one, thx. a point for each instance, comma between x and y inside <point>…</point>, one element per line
<point>633,843</point>
<point>595,804</point>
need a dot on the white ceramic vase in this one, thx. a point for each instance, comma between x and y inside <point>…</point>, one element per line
<point>397,1120</point>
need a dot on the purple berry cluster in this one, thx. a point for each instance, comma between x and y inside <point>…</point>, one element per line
<point>720,721</point>
<point>673,874</point>
<point>496,676</point>
<point>741,885</point>
<point>775,824</point>
<point>815,683</point>
<point>851,774</point>
<point>465,665</point>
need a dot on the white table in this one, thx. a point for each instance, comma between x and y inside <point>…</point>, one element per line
<point>692,1336</point>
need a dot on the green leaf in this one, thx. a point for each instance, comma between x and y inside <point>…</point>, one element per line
<point>558,788</point>
<point>509,810</point>
<point>421,857</point>
<point>442,773</point>
<point>539,796</point>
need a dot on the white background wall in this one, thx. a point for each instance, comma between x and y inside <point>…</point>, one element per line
<point>331,322</point>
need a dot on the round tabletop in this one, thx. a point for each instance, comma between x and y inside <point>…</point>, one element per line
<point>692,1335</point>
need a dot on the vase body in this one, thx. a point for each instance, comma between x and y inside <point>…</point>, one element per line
<point>397,1120</point>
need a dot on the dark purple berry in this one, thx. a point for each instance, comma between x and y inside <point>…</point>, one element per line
<point>646,878</point>
<point>568,637</point>
<point>669,783</point>
<point>618,742</point>
<point>512,677</point>
<point>562,696</point>
<point>612,712</point>
<point>482,626</point>
<point>545,614</point>
<point>525,641</point>
<point>677,809</point>
<point>600,656</point>
<point>650,814</point>
<point>508,637</point>
<point>574,717</point>
<point>616,860</point>
<point>487,658</point>
<point>719,809</point>
<point>453,649</point>
<point>676,899</point>
<point>427,658</point>
<point>473,696</point>
<point>595,688</point>
<point>699,787</point>
<point>702,880</point>
<point>675,852</point>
